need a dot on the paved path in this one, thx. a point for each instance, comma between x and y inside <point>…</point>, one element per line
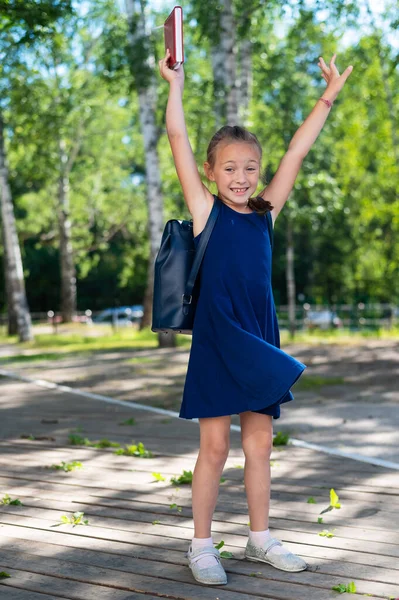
<point>135,542</point>
<point>347,399</point>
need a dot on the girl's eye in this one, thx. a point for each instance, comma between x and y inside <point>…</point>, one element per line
<point>249,168</point>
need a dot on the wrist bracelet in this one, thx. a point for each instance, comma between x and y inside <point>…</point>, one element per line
<point>326,102</point>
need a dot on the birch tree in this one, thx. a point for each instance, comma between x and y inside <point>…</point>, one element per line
<point>143,70</point>
<point>20,27</point>
<point>19,320</point>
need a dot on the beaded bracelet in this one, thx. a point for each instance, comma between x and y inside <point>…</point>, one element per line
<point>326,102</point>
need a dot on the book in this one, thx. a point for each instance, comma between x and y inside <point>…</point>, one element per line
<point>173,35</point>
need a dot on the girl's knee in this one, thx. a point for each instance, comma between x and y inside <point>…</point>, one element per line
<point>259,449</point>
<point>215,450</point>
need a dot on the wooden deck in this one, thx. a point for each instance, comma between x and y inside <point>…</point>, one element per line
<point>134,545</point>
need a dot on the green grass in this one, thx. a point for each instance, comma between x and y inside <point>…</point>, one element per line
<point>311,382</point>
<point>55,346</point>
<point>338,336</point>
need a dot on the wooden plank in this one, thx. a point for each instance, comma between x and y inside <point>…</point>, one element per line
<point>355,514</point>
<point>125,482</point>
<point>168,465</point>
<point>16,594</point>
<point>377,527</point>
<point>169,538</point>
<point>37,585</point>
<point>165,576</point>
<point>146,565</point>
<point>37,539</point>
<point>170,517</point>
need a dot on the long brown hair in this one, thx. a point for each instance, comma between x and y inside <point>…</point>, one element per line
<point>235,133</point>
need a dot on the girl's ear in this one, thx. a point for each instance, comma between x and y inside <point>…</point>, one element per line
<point>208,171</point>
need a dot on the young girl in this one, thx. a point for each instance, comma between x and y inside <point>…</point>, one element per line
<point>236,365</point>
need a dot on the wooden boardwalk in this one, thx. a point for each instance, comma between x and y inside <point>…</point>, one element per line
<point>138,532</point>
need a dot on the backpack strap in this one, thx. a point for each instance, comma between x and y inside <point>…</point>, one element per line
<point>269,221</point>
<point>202,244</point>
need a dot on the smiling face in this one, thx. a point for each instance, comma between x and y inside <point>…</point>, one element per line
<point>236,172</point>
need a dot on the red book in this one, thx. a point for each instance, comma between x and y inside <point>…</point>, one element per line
<point>173,34</point>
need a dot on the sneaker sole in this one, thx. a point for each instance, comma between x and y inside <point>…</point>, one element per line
<point>272,565</point>
<point>207,582</point>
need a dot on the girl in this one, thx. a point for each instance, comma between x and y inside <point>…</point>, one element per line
<point>236,365</point>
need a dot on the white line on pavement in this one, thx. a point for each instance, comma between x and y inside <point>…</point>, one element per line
<point>171,413</point>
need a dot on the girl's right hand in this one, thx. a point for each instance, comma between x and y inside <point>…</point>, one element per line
<point>171,74</point>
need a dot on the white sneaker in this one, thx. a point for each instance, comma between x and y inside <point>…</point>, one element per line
<point>214,575</point>
<point>284,562</point>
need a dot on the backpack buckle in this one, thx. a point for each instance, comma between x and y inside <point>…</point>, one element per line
<point>184,299</point>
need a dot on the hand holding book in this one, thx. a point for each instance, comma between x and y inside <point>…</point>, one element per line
<point>169,74</point>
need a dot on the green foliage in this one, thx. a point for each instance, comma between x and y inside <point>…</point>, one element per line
<point>185,478</point>
<point>67,467</point>
<point>174,506</point>
<point>77,440</point>
<point>75,519</point>
<point>311,500</point>
<point>4,575</point>
<point>138,450</point>
<point>334,502</point>
<point>158,477</point>
<point>281,439</point>
<point>131,421</point>
<point>7,500</point>
<point>346,220</point>
<point>343,588</point>
<point>326,533</point>
<point>319,520</point>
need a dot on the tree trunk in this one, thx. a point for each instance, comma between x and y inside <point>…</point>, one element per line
<point>68,274</point>
<point>290,278</point>
<point>223,57</point>
<point>18,311</point>
<point>142,66</point>
<point>244,90</point>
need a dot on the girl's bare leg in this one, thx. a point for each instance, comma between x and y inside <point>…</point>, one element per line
<point>257,442</point>
<point>214,449</point>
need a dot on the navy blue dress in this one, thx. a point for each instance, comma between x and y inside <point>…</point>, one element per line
<point>235,362</point>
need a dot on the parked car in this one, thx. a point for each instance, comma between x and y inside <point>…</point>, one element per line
<point>322,319</point>
<point>120,316</point>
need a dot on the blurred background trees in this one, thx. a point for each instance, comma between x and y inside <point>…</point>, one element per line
<point>91,176</point>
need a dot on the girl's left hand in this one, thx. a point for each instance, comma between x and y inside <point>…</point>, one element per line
<point>335,81</point>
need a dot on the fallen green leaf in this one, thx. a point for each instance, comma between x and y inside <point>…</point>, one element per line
<point>185,478</point>
<point>311,500</point>
<point>281,439</point>
<point>326,533</point>
<point>131,421</point>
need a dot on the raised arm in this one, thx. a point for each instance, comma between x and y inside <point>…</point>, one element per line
<point>279,189</point>
<point>196,194</point>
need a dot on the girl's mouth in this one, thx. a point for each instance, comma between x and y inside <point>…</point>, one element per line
<point>239,191</point>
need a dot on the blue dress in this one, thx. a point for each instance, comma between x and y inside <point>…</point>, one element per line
<point>235,362</point>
